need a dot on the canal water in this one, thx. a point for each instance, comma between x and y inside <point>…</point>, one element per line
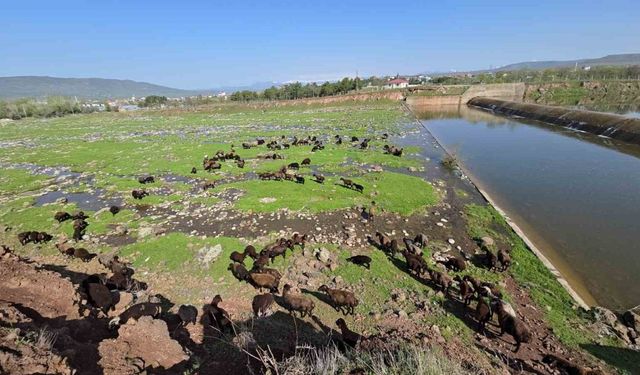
<point>576,195</point>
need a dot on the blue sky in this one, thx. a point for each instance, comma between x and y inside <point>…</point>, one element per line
<point>204,44</point>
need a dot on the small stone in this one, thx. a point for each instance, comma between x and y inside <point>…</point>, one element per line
<point>402,314</point>
<point>440,224</point>
<point>451,241</point>
<point>487,241</point>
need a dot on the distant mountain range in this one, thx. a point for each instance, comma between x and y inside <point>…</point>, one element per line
<point>100,88</point>
<point>620,60</point>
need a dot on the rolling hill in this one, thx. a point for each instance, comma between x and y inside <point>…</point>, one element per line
<point>88,88</point>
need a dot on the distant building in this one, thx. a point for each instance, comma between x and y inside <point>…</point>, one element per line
<point>397,83</point>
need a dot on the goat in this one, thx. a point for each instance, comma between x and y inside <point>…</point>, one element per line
<point>360,260</point>
<point>238,271</point>
<point>341,299</point>
<point>504,259</point>
<point>61,216</point>
<point>188,314</point>
<point>510,324</point>
<point>146,179</point>
<point>139,194</point>
<point>297,302</point>
<point>114,210</point>
<point>348,336</point>
<point>261,304</point>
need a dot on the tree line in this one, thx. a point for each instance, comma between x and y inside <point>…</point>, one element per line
<point>298,90</point>
<point>53,106</point>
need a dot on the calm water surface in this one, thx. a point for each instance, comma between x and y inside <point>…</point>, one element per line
<point>576,195</point>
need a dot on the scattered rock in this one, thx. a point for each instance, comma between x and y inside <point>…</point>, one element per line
<point>208,254</point>
<point>487,242</point>
<point>323,255</point>
<point>451,241</point>
<point>267,200</point>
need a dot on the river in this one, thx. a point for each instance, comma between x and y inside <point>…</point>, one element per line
<point>576,195</point>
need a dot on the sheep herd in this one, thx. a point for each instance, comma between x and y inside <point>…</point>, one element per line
<point>487,296</point>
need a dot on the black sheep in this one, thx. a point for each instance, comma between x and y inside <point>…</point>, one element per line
<point>219,316</point>
<point>299,179</point>
<point>510,323</point>
<point>139,194</point>
<point>359,188</point>
<point>238,271</point>
<point>114,210</point>
<point>188,314</point>
<point>361,260</point>
<point>194,170</point>
<point>319,178</point>
<point>293,166</point>
<point>100,296</point>
<point>146,179</point>
<point>306,161</point>
<point>62,216</point>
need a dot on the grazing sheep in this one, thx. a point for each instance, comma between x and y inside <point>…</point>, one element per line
<point>346,182</point>
<point>194,170</point>
<point>359,188</point>
<point>341,299</point>
<point>240,163</point>
<point>441,279</point>
<point>139,194</point>
<point>146,180</point>
<point>490,259</point>
<point>415,263</point>
<point>354,139</point>
<point>33,236</point>
<point>100,296</point>
<point>262,260</point>
<point>82,254</point>
<point>298,239</point>
<point>372,211</point>
<point>454,263</point>
<point>295,166</point>
<point>61,216</point>
<point>504,259</point>
<point>466,290</point>
<point>218,315</point>
<point>261,281</point>
<point>299,179</point>
<point>411,247</point>
<point>348,336</point>
<point>360,260</point>
<point>208,185</point>
<point>420,240</point>
<point>261,304</point>
<point>339,140</point>
<point>114,210</point>
<point>483,313</point>
<point>306,162</point>
<point>393,246</point>
<point>364,145</point>
<point>211,165</point>
<point>297,302</point>
<point>79,215</point>
<point>510,324</point>
<point>188,314</point>
<point>384,241</point>
<point>319,178</point>
<point>238,271</point>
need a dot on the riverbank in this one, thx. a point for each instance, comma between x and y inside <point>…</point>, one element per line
<point>602,124</point>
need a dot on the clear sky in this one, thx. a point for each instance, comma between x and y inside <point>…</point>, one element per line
<point>205,44</point>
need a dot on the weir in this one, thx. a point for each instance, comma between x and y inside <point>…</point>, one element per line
<point>608,125</point>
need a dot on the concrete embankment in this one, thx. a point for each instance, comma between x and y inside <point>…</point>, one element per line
<point>603,124</point>
<point>459,95</point>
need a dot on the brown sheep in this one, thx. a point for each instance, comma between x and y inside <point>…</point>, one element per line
<point>139,194</point>
<point>359,188</point>
<point>299,239</point>
<point>100,296</point>
<point>384,241</point>
<point>238,271</point>
<point>306,162</point>
<point>454,263</point>
<point>466,290</point>
<point>341,299</point>
<point>297,302</point>
<point>346,182</point>
<point>420,240</point>
<point>240,163</point>
<point>137,311</point>
<point>146,180</point>
<point>238,257</point>
<point>360,260</point>
<point>261,281</point>
<point>510,323</point>
<point>483,313</point>
<point>504,259</point>
<point>261,304</point>
<point>415,263</point>
<point>490,259</point>
<point>348,336</point>
<point>441,279</point>
<point>319,178</point>
<point>82,254</point>
<point>61,216</point>
<point>219,316</point>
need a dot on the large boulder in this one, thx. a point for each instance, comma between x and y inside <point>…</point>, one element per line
<point>140,344</point>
